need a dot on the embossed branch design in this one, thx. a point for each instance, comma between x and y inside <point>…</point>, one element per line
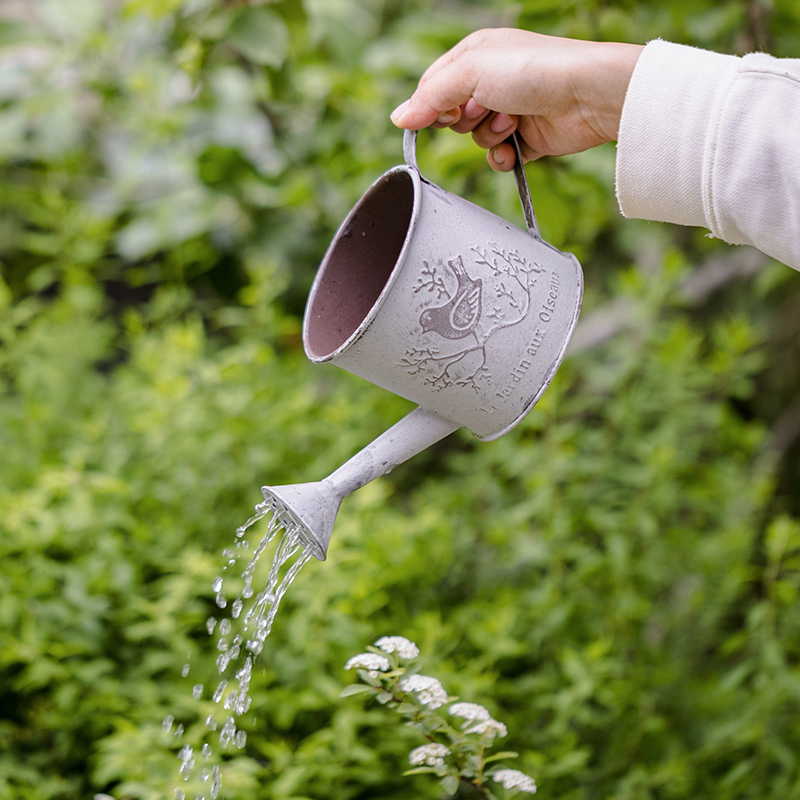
<point>417,359</point>
<point>431,281</point>
<point>436,368</point>
<point>503,292</point>
<point>513,264</point>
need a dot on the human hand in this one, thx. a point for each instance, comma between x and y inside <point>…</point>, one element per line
<point>563,95</point>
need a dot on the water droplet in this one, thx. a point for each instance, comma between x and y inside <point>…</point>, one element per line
<point>180,794</point>
<point>228,731</point>
<point>206,749</point>
<point>244,704</point>
<point>216,782</point>
<point>225,627</point>
<point>185,670</point>
<point>223,659</point>
<point>236,608</point>
<point>217,584</point>
<point>221,600</point>
<point>167,723</point>
<point>197,691</point>
<point>211,623</point>
<point>211,724</point>
<point>219,690</point>
<point>179,731</point>
<point>186,755</point>
<point>241,739</point>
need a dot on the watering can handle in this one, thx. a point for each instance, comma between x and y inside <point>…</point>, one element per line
<point>410,155</point>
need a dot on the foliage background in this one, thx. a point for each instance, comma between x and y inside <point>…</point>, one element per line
<point>617,580</point>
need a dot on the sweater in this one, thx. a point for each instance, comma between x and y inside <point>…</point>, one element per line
<point>713,140</point>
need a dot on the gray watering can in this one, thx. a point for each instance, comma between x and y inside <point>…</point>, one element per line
<point>441,302</point>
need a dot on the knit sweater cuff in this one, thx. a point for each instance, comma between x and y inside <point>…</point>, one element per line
<point>665,130</point>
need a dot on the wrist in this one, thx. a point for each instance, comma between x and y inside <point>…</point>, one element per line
<point>602,88</point>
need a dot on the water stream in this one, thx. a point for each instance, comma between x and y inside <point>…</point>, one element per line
<point>241,627</point>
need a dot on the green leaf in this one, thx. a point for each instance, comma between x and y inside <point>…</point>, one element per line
<point>356,688</point>
<point>395,673</point>
<point>498,756</point>
<point>432,722</point>
<point>450,784</point>
<point>260,35</point>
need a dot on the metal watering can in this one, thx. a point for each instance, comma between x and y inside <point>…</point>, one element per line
<point>441,302</point>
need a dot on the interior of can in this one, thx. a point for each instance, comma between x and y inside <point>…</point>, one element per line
<point>359,264</point>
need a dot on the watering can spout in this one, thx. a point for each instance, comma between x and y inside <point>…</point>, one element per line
<point>312,507</point>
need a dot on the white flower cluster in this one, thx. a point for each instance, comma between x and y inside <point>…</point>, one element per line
<point>370,661</point>
<point>431,755</point>
<point>478,719</point>
<point>469,711</point>
<point>404,648</point>
<point>514,779</point>
<point>490,726</point>
<point>429,691</point>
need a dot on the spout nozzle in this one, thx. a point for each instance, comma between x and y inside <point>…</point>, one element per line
<point>311,508</point>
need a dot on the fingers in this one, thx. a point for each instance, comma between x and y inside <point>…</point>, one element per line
<point>493,130</point>
<point>489,129</point>
<point>444,91</point>
<point>448,119</point>
<point>502,157</point>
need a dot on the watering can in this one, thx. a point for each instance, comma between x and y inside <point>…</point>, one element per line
<point>441,302</point>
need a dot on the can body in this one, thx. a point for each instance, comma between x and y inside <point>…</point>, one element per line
<point>444,303</point>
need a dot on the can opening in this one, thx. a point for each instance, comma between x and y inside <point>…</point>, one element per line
<point>359,264</point>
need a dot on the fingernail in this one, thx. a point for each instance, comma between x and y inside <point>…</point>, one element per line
<point>496,156</point>
<point>500,123</point>
<point>472,109</point>
<point>447,119</point>
<point>398,113</point>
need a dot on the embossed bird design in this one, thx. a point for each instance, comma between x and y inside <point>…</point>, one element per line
<point>458,317</point>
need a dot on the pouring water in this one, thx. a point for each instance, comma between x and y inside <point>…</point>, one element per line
<point>241,636</point>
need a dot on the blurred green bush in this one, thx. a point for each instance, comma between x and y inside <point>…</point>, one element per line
<point>617,580</point>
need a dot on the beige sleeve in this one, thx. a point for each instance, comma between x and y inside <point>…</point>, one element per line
<point>714,141</point>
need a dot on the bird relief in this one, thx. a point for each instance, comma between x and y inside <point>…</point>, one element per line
<point>464,312</point>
